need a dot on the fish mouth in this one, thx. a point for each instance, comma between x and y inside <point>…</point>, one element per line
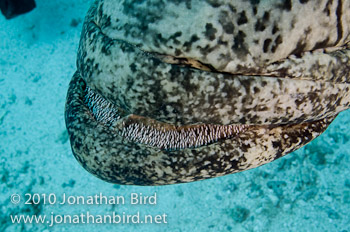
<point>151,132</point>
<point>104,141</point>
<point>142,118</point>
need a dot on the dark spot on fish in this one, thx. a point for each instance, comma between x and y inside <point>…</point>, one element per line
<point>210,31</point>
<point>255,10</point>
<point>254,2</point>
<point>177,52</point>
<point>259,26</point>
<point>238,45</point>
<point>214,3</point>
<point>175,36</point>
<point>278,41</point>
<point>286,5</point>
<point>188,44</point>
<point>132,67</point>
<point>266,45</point>
<point>298,49</point>
<point>276,144</point>
<point>242,19</point>
<point>274,29</point>
<point>321,44</point>
<point>229,28</point>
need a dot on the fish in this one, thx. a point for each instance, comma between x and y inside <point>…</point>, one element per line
<point>169,92</point>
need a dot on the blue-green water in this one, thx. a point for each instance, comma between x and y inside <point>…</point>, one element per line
<point>308,190</point>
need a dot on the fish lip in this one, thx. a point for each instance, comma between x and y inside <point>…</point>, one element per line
<point>110,157</point>
<point>154,133</point>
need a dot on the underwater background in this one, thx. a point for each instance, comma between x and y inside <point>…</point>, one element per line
<point>308,190</point>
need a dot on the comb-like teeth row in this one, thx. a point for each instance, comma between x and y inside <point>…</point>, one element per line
<point>154,133</point>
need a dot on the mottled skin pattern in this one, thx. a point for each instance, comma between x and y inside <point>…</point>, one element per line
<point>262,65</point>
<point>146,86</point>
<point>251,37</point>
<point>115,159</point>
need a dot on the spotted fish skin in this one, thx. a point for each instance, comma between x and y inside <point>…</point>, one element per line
<point>255,65</point>
<point>124,71</point>
<point>114,159</point>
<point>240,37</point>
